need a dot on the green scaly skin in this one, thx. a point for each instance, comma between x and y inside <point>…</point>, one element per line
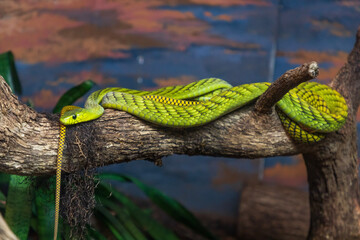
<point>306,111</point>
<point>202,89</point>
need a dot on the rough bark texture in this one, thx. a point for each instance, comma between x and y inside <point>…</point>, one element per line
<point>332,166</point>
<point>273,212</point>
<point>28,145</point>
<point>28,140</point>
<point>286,82</point>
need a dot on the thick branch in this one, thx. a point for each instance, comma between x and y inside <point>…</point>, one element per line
<point>29,140</point>
<point>284,84</point>
<point>333,167</point>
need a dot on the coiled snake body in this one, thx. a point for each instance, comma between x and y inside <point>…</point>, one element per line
<point>307,112</point>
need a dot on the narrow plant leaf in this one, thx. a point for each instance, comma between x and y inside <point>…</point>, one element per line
<point>2,200</point>
<point>142,218</point>
<point>73,94</point>
<point>114,224</point>
<point>2,197</point>
<point>45,209</point>
<point>106,224</point>
<point>18,206</point>
<point>93,234</point>
<point>124,217</point>
<point>4,178</point>
<point>34,223</point>
<point>115,232</point>
<point>8,71</point>
<point>169,205</point>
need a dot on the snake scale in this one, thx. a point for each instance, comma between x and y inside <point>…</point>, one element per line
<point>307,112</point>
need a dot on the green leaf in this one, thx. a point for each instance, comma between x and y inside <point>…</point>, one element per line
<point>5,178</point>
<point>124,217</point>
<point>114,225</point>
<point>2,197</point>
<point>2,200</point>
<point>73,94</point>
<point>93,234</point>
<point>169,205</point>
<point>45,209</point>
<point>8,71</point>
<point>141,217</point>
<point>18,206</point>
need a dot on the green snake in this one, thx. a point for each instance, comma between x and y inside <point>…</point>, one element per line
<point>307,112</point>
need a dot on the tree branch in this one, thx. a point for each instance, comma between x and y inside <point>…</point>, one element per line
<point>332,166</point>
<point>284,84</point>
<point>29,140</point>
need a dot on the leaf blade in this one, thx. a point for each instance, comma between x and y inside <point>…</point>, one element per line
<point>169,205</point>
<point>19,206</point>
<point>73,94</point>
<point>142,218</point>
<point>45,209</point>
<point>9,72</point>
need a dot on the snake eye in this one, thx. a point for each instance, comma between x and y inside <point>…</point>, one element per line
<point>74,116</point>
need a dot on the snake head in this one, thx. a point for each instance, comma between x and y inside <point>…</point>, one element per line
<point>71,115</point>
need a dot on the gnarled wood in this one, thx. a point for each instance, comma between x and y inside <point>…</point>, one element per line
<point>332,166</point>
<point>29,140</point>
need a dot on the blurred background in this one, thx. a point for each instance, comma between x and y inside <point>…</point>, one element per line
<point>150,44</point>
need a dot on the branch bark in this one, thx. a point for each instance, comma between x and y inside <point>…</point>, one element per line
<point>29,140</point>
<point>332,166</point>
<point>284,84</point>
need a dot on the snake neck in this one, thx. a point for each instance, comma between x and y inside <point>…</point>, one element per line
<point>95,98</point>
<point>90,112</point>
<point>92,109</point>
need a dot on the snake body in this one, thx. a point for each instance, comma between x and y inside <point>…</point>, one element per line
<point>307,111</point>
